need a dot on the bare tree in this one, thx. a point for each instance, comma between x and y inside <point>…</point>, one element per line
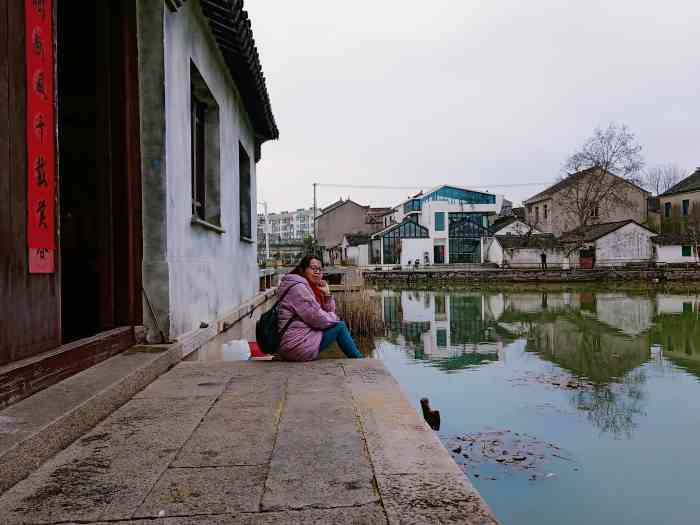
<point>599,173</point>
<point>660,179</point>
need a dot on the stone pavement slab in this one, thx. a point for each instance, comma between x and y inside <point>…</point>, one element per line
<point>333,441</point>
<point>39,426</point>
<point>107,473</point>
<point>232,436</point>
<point>422,499</point>
<point>214,490</point>
<point>418,481</point>
<point>371,514</point>
<point>320,458</point>
<point>399,441</point>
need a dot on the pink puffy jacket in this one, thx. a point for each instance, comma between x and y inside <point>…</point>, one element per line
<point>302,339</point>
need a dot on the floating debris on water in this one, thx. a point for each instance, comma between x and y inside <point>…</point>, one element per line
<point>561,380</point>
<point>506,451</point>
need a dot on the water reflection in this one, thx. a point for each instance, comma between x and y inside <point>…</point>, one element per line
<point>604,338</point>
<point>448,331</point>
<point>677,330</point>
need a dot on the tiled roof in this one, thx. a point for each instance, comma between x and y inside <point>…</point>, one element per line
<point>568,180</point>
<point>230,25</point>
<point>357,239</point>
<point>331,206</point>
<point>672,239</point>
<point>544,241</point>
<point>502,223</point>
<point>596,231</point>
<point>336,205</point>
<point>379,212</point>
<point>690,183</point>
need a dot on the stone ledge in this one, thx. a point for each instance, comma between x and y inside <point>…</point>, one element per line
<point>36,428</point>
<point>418,481</point>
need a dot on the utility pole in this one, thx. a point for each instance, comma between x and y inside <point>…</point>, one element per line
<point>315,184</point>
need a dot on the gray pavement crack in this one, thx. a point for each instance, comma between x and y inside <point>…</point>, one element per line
<point>369,456</point>
<point>167,467</point>
<point>278,422</point>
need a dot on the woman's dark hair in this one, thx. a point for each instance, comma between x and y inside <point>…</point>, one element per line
<point>305,262</point>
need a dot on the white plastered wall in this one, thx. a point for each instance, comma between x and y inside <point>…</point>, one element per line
<point>627,244</point>
<point>412,249</point>
<point>673,254</point>
<point>210,273</point>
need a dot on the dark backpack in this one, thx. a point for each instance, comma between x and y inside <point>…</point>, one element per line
<point>267,333</point>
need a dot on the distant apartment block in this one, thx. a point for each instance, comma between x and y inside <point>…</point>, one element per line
<point>287,225</point>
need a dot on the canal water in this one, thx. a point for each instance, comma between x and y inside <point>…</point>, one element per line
<point>574,407</point>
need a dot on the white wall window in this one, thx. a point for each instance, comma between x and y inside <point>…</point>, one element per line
<point>246,207</point>
<point>205,176</point>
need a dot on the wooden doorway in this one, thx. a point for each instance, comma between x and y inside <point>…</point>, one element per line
<point>98,167</point>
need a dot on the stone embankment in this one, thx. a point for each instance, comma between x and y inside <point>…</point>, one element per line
<point>259,443</point>
<point>447,276</point>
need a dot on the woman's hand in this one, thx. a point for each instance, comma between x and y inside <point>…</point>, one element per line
<point>325,289</point>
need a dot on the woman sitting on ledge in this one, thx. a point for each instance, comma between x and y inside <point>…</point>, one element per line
<point>307,320</point>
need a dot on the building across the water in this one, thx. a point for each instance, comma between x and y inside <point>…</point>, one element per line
<point>286,225</point>
<point>446,225</point>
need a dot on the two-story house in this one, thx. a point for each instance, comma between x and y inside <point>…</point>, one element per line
<point>681,203</point>
<point>346,217</point>
<point>444,225</point>
<point>587,197</point>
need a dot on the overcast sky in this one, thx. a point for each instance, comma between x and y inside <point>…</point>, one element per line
<point>470,93</point>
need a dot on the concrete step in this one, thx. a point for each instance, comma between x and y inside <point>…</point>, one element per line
<point>36,428</point>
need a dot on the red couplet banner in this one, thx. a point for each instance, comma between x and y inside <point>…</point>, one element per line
<point>41,181</point>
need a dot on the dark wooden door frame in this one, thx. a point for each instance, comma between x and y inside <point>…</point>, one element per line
<point>22,377</point>
<point>122,302</point>
<point>119,158</point>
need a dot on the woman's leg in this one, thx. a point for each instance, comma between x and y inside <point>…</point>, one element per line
<point>341,334</point>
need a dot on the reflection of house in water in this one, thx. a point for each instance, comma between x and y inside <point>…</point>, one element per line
<point>602,336</point>
<point>451,329</point>
<point>599,336</point>
<point>631,315</point>
<point>677,330</point>
<point>587,347</point>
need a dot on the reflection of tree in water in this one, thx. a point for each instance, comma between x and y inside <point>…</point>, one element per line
<point>592,350</point>
<point>679,336</point>
<point>588,348</point>
<point>613,408</point>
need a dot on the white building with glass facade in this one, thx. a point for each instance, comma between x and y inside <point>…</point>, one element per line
<point>446,225</point>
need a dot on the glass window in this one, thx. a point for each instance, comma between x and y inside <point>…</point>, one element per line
<point>686,251</point>
<point>439,221</point>
<point>391,240</point>
<point>412,205</point>
<point>667,210</point>
<point>450,194</point>
<point>204,161</point>
<point>686,207</point>
<point>244,193</point>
